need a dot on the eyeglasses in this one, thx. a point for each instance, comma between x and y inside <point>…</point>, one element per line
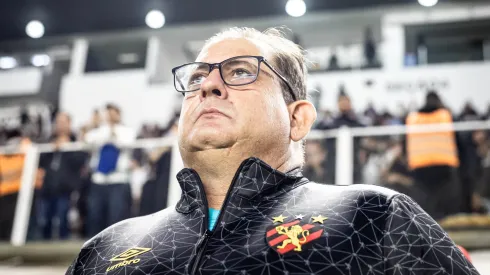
<point>235,71</point>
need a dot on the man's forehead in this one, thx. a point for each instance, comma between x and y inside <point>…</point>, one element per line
<point>229,48</point>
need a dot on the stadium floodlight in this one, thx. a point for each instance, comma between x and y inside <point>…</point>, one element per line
<point>35,29</point>
<point>296,8</point>
<point>40,60</point>
<point>7,62</point>
<point>155,19</point>
<point>428,3</point>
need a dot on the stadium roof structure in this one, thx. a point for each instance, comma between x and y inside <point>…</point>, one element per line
<point>62,17</point>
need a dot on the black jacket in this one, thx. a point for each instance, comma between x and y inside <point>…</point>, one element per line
<point>63,171</point>
<point>275,223</point>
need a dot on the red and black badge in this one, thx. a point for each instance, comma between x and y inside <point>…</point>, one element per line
<point>291,236</point>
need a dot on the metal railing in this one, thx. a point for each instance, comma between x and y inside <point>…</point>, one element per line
<point>344,161</point>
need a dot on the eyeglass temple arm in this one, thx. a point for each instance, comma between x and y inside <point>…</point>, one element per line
<point>282,78</point>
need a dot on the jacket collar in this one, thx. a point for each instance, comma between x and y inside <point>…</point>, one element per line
<point>254,180</point>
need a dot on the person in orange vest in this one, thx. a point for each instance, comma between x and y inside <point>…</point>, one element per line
<point>433,158</point>
<point>11,168</point>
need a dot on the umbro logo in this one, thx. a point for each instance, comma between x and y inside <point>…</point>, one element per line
<point>125,258</point>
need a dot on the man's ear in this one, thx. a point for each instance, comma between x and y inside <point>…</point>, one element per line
<point>302,115</point>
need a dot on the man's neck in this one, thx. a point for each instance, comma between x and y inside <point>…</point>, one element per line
<point>217,168</point>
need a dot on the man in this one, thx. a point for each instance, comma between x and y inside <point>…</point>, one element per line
<point>433,159</point>
<point>109,198</point>
<point>346,118</point>
<point>62,172</point>
<point>245,208</point>
<point>470,168</point>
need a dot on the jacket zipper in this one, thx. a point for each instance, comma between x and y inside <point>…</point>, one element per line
<point>201,247</point>
<point>208,233</point>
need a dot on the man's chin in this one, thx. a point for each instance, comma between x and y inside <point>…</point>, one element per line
<point>205,140</point>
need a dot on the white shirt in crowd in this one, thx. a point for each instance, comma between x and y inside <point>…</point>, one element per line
<point>120,136</point>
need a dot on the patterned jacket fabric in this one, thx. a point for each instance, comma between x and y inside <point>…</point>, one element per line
<point>276,223</point>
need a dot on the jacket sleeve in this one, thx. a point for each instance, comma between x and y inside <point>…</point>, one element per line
<point>84,263</point>
<point>70,270</point>
<point>414,243</point>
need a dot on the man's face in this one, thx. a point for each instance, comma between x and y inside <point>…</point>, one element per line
<point>344,104</point>
<point>252,117</point>
<point>112,116</point>
<point>63,124</point>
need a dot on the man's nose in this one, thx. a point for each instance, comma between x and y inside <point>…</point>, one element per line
<point>213,85</point>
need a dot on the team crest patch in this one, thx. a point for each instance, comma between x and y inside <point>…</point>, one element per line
<point>292,236</point>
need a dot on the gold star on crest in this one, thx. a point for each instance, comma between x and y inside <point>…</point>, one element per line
<point>319,219</point>
<point>278,219</point>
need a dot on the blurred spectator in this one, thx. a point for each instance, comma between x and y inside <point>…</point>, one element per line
<point>333,62</point>
<point>373,156</point>
<point>422,52</point>
<point>347,118</point>
<point>470,166</point>
<point>11,167</point>
<point>314,168</point>
<point>109,199</point>
<point>155,191</point>
<point>62,176</point>
<point>433,158</point>
<point>481,197</point>
<point>369,48</point>
<point>324,120</point>
<point>144,132</point>
<point>469,113</point>
<point>397,176</point>
<point>371,113</point>
<point>388,119</point>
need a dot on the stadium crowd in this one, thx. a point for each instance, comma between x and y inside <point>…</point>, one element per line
<point>79,193</point>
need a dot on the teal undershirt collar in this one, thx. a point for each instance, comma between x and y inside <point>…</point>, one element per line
<point>213,217</point>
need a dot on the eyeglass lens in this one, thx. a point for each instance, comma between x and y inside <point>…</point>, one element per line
<point>234,72</point>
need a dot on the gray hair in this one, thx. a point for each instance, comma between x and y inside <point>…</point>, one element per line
<point>287,57</point>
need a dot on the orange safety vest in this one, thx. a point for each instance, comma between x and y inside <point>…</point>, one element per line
<point>11,167</point>
<point>430,149</point>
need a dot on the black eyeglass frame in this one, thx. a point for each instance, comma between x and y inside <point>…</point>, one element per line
<point>212,66</point>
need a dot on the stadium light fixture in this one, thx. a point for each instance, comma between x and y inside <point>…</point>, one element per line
<point>428,3</point>
<point>155,19</point>
<point>40,60</point>
<point>296,8</point>
<point>7,62</point>
<point>35,29</point>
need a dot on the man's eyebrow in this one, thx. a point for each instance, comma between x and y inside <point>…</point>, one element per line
<point>238,62</point>
<point>234,62</point>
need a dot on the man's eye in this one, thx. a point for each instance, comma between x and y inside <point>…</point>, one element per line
<point>241,73</point>
<point>196,79</point>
